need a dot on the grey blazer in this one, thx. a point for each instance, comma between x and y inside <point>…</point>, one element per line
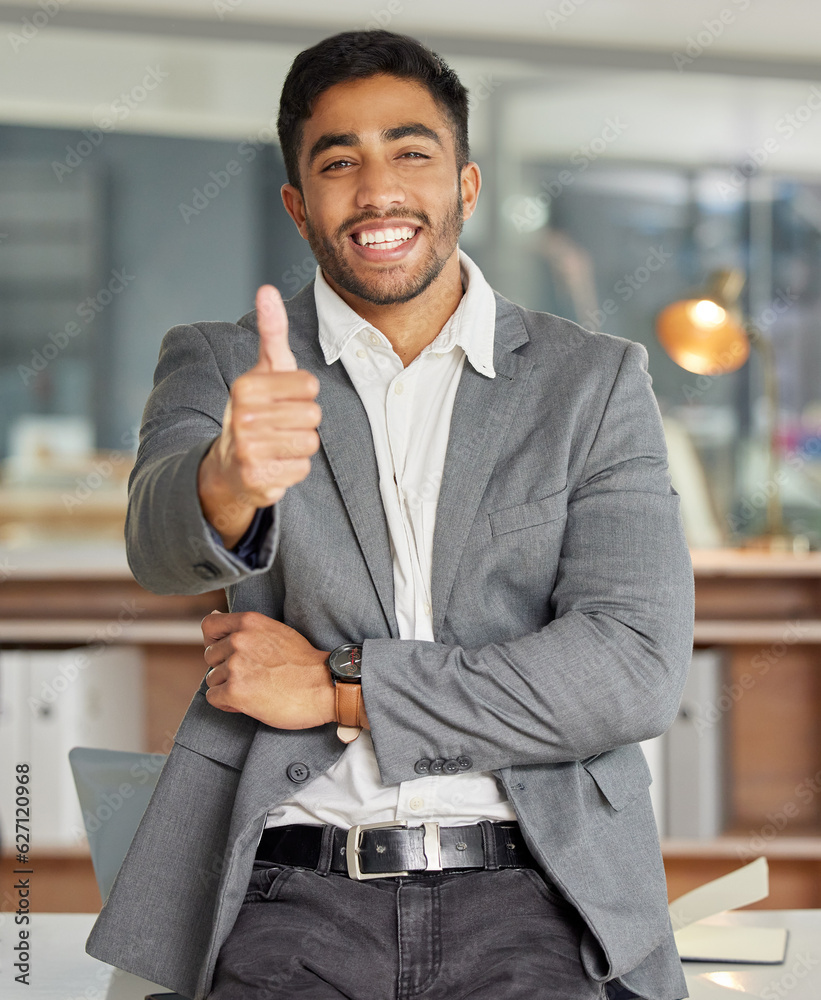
<point>562,608</point>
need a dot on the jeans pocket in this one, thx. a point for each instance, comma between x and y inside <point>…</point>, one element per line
<point>546,888</point>
<point>266,883</point>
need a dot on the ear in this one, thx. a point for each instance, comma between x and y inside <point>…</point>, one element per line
<point>295,207</point>
<point>471,183</point>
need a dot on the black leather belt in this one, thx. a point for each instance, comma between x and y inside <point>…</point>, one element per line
<point>382,850</point>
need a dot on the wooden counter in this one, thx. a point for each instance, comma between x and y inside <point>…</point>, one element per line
<point>764,609</point>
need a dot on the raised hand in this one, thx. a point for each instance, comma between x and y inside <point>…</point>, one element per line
<point>268,430</point>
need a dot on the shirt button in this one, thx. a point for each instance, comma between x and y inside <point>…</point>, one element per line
<point>361,354</point>
<point>399,388</point>
<point>373,338</point>
<point>416,802</point>
<point>426,609</point>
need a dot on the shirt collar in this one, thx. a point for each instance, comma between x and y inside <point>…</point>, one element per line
<point>471,326</point>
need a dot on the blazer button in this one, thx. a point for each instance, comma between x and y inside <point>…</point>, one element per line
<point>451,766</point>
<point>464,763</point>
<point>422,766</point>
<point>298,771</point>
<point>206,570</point>
<point>437,765</point>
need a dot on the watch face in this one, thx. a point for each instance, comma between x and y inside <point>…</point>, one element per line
<point>345,662</point>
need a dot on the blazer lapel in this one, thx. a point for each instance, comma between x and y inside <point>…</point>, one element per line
<point>345,433</point>
<point>482,412</point>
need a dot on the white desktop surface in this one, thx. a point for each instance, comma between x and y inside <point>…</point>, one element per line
<point>60,967</point>
<point>61,970</point>
<point>798,977</point>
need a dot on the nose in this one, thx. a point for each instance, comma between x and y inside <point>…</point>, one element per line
<point>379,187</point>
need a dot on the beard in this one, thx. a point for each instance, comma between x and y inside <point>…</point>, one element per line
<point>394,285</point>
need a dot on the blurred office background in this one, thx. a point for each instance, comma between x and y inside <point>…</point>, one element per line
<point>628,150</point>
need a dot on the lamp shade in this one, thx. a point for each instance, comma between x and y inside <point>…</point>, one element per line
<point>702,337</point>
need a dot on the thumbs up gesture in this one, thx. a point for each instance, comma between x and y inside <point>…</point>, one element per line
<point>268,430</point>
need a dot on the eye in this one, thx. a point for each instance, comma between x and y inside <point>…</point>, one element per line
<point>335,163</point>
<point>413,152</point>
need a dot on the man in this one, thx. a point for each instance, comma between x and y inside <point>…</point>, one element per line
<point>460,596</point>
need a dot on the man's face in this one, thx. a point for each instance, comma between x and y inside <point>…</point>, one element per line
<point>378,158</point>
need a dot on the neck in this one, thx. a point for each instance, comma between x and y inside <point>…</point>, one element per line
<point>411,326</point>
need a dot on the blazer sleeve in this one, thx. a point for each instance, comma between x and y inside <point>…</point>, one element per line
<point>170,545</point>
<point>608,670</point>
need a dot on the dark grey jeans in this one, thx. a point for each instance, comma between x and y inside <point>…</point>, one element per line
<point>483,935</point>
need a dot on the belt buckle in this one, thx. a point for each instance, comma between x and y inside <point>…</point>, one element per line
<point>430,847</point>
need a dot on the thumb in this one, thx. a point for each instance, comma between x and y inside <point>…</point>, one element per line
<point>272,322</point>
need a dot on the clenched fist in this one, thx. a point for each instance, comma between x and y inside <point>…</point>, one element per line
<point>268,430</point>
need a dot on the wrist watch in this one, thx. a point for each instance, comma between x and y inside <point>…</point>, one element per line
<point>345,664</point>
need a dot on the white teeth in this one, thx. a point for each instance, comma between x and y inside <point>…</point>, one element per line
<point>385,236</point>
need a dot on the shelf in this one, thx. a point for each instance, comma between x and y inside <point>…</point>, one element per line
<point>736,632</point>
<point>743,562</point>
<point>139,633</point>
<point>781,847</point>
<point>61,560</point>
<point>54,853</point>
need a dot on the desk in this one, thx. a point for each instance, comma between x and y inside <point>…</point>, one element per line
<point>798,977</point>
<point>62,969</point>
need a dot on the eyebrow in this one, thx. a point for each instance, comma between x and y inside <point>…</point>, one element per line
<point>330,139</point>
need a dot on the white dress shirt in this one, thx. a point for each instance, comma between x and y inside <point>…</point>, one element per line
<point>409,410</point>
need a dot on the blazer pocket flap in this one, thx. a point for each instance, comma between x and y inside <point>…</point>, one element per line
<point>528,515</point>
<point>222,736</point>
<point>620,774</point>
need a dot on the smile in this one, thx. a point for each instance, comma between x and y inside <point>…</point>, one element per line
<point>387,239</point>
<point>384,244</point>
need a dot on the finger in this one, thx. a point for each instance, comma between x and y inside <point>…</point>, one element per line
<point>264,388</point>
<point>217,697</point>
<point>217,625</point>
<point>267,443</point>
<point>215,654</point>
<point>216,676</point>
<point>251,421</point>
<point>275,354</point>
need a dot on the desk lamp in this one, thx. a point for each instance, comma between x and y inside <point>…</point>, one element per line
<point>706,335</point>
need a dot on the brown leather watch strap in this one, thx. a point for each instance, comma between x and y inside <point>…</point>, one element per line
<point>348,702</point>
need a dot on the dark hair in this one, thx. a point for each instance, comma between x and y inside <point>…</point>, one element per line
<point>355,55</point>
